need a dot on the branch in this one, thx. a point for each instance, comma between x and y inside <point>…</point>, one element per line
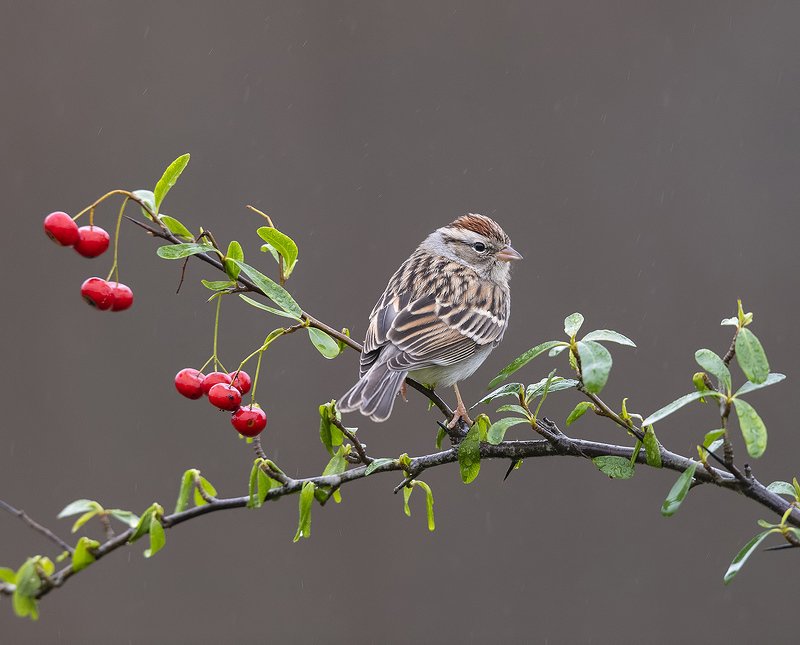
<point>36,526</point>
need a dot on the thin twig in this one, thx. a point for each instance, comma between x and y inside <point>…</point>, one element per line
<point>36,526</point>
<point>360,449</point>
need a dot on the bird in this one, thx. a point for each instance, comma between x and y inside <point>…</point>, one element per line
<point>443,312</point>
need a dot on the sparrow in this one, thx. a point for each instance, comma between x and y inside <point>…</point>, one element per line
<point>443,312</point>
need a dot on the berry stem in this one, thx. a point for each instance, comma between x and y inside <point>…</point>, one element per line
<point>255,376</point>
<point>217,362</point>
<point>115,266</point>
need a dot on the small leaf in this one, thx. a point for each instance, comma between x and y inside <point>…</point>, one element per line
<point>555,351</point>
<point>713,439</point>
<point>610,336</point>
<point>207,487</point>
<point>781,488</point>
<point>283,244</point>
<point>234,252</point>
<point>751,357</point>
<point>615,467</point>
<point>79,506</point>
<point>522,360</point>
<point>509,389</point>
<point>264,307</point>
<point>469,454</point>
<point>595,365</point>
<point>82,520</point>
<point>772,378</point>
<point>337,464</point>
<point>678,492</point>
<point>185,491</point>
<point>518,409</point>
<point>326,345</point>
<point>730,321</point>
<point>143,526</point>
<point>330,436</point>
<point>264,484</point>
<point>497,431</point>
<point>273,291</point>
<point>440,437</point>
<point>745,553</point>
<point>572,324</point>
<point>652,450</point>
<point>753,429</point>
<point>428,503</point>
<point>175,227</point>
<point>677,404</point>
<point>578,411</point>
<point>712,363</point>
<point>7,575</point>
<point>149,199</point>
<point>304,522</point>
<point>218,285</point>
<point>82,556</point>
<point>179,251</point>
<point>377,463</point>
<point>158,537</point>
<point>407,490</point>
<point>169,178</point>
<point>126,517</point>
<point>557,384</point>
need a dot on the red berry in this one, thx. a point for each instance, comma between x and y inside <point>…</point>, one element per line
<point>249,421</point>
<point>225,397</point>
<point>241,381</point>
<point>212,379</point>
<point>92,241</point>
<point>189,382</point>
<point>98,293</point>
<point>123,296</point>
<point>61,229</point>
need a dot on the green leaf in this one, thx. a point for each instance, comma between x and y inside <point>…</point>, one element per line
<point>557,383</point>
<point>126,517</point>
<point>572,324</point>
<point>234,252</point>
<point>326,345</point>
<point>330,436</point>
<point>175,227</point>
<point>751,357</point>
<point>772,378</point>
<point>273,291</point>
<point>149,199</point>
<point>265,483</point>
<point>713,439</point>
<point>652,450</point>
<point>27,584</point>
<point>440,435</point>
<point>555,351</point>
<point>610,336</point>
<point>283,244</point>
<point>712,363</point>
<point>187,486</point>
<point>179,251</point>
<point>407,490</point>
<point>678,492</point>
<point>509,389</point>
<point>218,285</point>
<point>730,321</point>
<point>7,575</point>
<point>143,526</point>
<point>746,552</point>
<point>615,467</point>
<point>377,463</point>
<point>169,178</point>
<point>497,431</point>
<point>469,454</point>
<point>337,464</point>
<point>264,307</point>
<point>428,503</point>
<point>517,409</point>
<point>207,487</point>
<point>522,360</point>
<point>82,556</point>
<point>677,404</point>
<point>252,483</point>
<point>782,488</point>
<point>578,411</point>
<point>158,537</point>
<point>753,429</point>
<point>304,522</point>
<point>79,506</point>
<point>595,365</point>
<point>545,391</point>
<point>82,520</point>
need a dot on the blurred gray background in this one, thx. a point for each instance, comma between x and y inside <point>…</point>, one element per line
<point>643,157</point>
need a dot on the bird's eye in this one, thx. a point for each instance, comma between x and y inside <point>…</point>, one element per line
<point>480,247</point>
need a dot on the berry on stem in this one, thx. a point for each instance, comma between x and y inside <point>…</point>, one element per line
<point>61,228</point>
<point>212,379</point>
<point>92,241</point>
<point>225,397</point>
<point>123,296</point>
<point>249,421</point>
<point>98,293</point>
<point>241,381</point>
<point>189,383</point>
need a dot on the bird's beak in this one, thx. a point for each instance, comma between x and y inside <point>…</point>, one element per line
<point>507,254</point>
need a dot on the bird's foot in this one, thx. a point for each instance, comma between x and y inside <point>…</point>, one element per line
<point>460,415</point>
<point>404,391</point>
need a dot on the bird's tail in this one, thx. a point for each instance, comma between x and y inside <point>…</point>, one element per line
<point>374,394</point>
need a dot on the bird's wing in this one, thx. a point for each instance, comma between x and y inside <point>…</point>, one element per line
<point>426,331</point>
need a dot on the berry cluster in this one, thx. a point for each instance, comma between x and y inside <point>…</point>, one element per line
<point>224,391</point>
<point>90,242</point>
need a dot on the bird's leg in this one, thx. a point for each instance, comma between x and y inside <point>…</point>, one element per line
<point>404,391</point>
<point>460,413</point>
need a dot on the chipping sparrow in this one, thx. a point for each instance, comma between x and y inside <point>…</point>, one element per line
<point>444,310</point>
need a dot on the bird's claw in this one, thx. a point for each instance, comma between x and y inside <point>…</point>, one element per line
<point>460,415</point>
